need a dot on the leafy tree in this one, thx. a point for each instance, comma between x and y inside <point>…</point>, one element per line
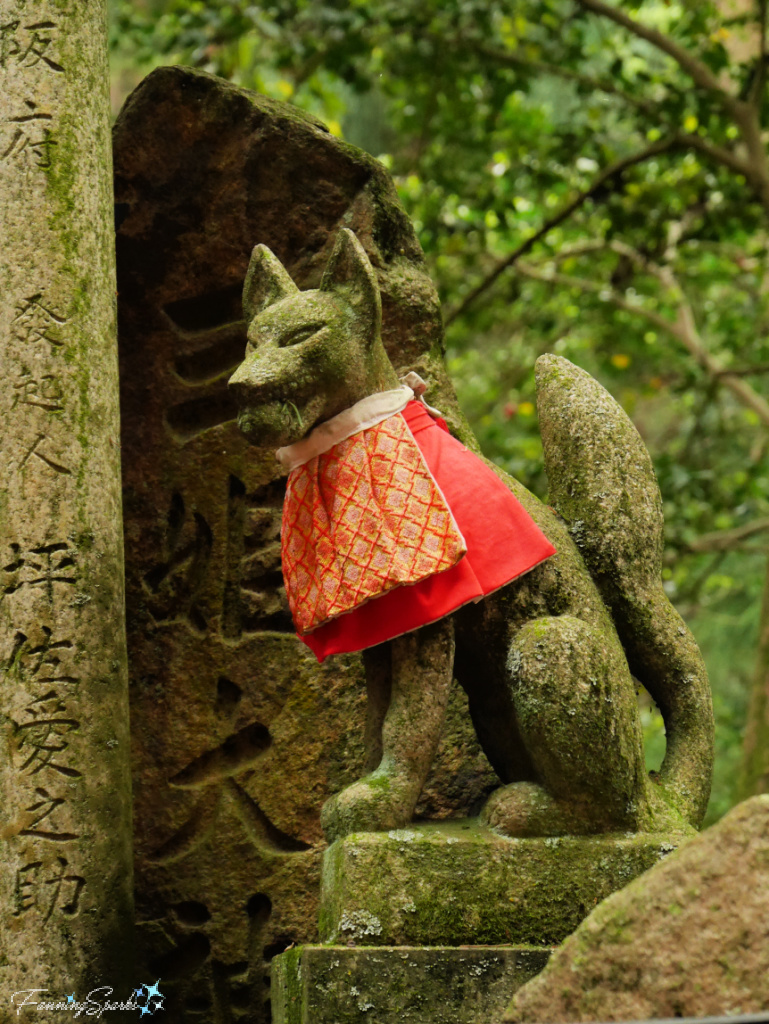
<point>588,178</point>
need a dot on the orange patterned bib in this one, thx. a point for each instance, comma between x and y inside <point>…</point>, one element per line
<point>360,519</point>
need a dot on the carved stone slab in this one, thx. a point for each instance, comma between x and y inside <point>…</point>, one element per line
<point>461,883</point>
<point>238,735</point>
<point>400,985</point>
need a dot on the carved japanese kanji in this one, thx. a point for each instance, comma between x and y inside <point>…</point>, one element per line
<point>29,139</point>
<point>27,43</point>
<point>65,858</point>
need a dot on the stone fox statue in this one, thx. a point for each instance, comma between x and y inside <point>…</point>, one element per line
<point>547,660</point>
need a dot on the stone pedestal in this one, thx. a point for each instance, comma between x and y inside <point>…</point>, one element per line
<point>457,883</point>
<point>407,985</point>
<point>408,909</point>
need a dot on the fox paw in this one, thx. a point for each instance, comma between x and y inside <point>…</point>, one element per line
<point>373,804</point>
<point>525,809</point>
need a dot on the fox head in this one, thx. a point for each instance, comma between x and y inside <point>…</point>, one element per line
<point>310,354</point>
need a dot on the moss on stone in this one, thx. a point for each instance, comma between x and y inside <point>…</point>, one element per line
<point>459,883</point>
<point>438,985</point>
<point>602,483</point>
<point>57,215</point>
<point>287,990</point>
<point>687,938</point>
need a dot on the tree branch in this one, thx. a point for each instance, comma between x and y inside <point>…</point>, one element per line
<point>755,94</point>
<point>563,214</point>
<point>719,154</point>
<point>677,229</point>
<point>747,371</point>
<point>743,112</point>
<point>684,328</point>
<point>726,540</point>
<point>686,331</point>
<point>604,292</point>
<point>699,72</point>
<point>512,59</point>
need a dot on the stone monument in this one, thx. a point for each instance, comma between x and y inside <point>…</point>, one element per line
<point>239,737</point>
<point>543,660</point>
<point>66,912</point>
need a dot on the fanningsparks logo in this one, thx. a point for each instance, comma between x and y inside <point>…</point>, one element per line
<point>146,999</point>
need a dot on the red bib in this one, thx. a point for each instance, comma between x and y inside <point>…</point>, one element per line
<point>360,519</point>
<point>364,584</point>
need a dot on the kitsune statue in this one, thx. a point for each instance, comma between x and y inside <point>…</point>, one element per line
<point>400,542</point>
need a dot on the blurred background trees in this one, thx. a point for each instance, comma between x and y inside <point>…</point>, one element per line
<point>587,178</point>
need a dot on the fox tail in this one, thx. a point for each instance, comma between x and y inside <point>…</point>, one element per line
<point>602,483</point>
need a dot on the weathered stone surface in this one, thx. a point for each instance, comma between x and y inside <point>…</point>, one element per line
<point>386,985</point>
<point>602,482</point>
<point>688,939</point>
<point>552,700</point>
<point>457,883</point>
<point>66,911</point>
<point>238,736</point>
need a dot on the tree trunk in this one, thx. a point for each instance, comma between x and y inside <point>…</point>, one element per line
<point>65,861</point>
<point>755,759</point>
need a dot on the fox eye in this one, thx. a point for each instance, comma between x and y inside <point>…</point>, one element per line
<point>301,334</point>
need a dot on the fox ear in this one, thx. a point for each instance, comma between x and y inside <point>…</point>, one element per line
<point>350,274</point>
<point>267,281</point>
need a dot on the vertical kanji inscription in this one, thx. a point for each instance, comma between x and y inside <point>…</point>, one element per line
<point>65,851</point>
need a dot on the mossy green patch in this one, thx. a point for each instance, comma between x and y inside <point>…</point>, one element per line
<point>438,985</point>
<point>460,883</point>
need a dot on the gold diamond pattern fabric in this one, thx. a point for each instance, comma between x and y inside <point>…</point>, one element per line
<point>360,519</point>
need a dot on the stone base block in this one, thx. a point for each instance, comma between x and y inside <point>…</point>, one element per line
<point>458,883</point>
<point>386,985</point>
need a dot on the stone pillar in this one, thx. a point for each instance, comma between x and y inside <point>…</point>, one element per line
<point>65,856</point>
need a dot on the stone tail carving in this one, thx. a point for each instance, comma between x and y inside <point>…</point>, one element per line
<point>602,483</point>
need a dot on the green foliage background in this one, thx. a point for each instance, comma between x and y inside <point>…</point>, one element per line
<point>493,118</point>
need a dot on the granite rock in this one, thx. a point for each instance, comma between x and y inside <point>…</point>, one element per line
<point>689,938</point>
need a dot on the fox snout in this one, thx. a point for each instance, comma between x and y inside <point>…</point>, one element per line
<point>268,404</point>
<point>258,381</point>
<point>250,383</point>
